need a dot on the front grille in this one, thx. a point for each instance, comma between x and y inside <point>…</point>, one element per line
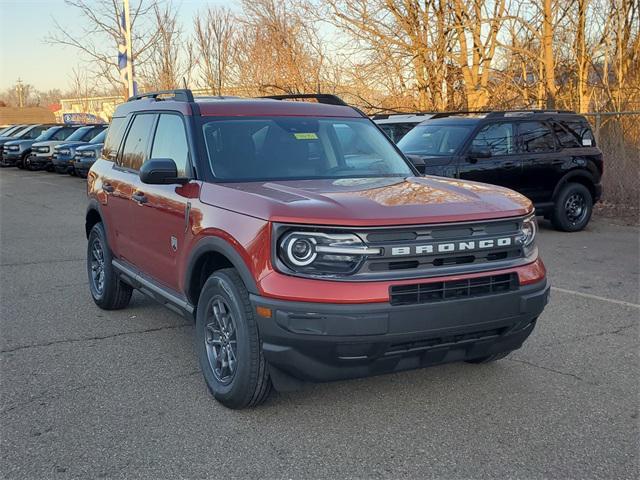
<point>444,341</point>
<point>444,249</point>
<point>418,293</point>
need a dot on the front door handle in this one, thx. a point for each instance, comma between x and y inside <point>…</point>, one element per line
<point>509,165</point>
<point>139,197</point>
<point>107,187</point>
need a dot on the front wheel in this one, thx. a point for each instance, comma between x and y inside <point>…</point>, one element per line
<point>573,208</point>
<point>107,290</point>
<point>228,343</point>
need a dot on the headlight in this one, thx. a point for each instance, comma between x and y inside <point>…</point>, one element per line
<point>528,232</point>
<point>89,154</point>
<point>13,148</point>
<point>64,151</point>
<point>323,254</point>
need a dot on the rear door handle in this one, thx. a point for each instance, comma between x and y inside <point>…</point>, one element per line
<point>139,197</point>
<point>107,187</point>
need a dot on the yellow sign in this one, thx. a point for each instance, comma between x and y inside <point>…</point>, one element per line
<point>306,136</point>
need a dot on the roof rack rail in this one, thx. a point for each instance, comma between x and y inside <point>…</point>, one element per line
<point>327,98</point>
<point>499,113</point>
<point>383,116</point>
<point>179,95</point>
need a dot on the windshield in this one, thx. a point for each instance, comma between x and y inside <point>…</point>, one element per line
<point>78,134</point>
<point>99,138</point>
<point>47,134</point>
<point>433,139</point>
<point>282,148</point>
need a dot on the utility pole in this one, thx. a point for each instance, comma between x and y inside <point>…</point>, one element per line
<point>127,21</point>
<point>20,92</point>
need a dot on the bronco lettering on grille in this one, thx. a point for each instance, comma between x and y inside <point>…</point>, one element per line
<point>450,247</point>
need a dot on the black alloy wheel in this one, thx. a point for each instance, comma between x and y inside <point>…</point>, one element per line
<point>220,340</point>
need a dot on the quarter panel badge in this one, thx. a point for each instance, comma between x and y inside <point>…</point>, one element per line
<point>174,243</point>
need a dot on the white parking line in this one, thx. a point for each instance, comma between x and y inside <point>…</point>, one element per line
<point>596,297</point>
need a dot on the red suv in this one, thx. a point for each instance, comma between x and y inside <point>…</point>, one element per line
<point>303,242</point>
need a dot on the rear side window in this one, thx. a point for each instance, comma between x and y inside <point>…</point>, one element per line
<point>581,130</point>
<point>114,138</point>
<point>566,138</point>
<point>170,141</point>
<point>536,137</point>
<point>134,152</point>
<point>497,137</point>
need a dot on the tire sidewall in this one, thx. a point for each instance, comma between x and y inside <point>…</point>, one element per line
<point>220,284</point>
<point>97,232</point>
<point>561,219</point>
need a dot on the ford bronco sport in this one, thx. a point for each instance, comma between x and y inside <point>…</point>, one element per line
<point>304,244</point>
<point>550,157</point>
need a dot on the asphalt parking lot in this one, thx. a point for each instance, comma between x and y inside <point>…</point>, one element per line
<point>92,394</point>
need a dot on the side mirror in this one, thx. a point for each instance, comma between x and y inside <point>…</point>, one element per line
<point>417,162</point>
<point>161,171</point>
<point>476,153</point>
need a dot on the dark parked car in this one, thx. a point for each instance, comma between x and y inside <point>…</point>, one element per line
<point>397,125</point>
<point>86,155</point>
<point>304,243</point>
<point>16,149</point>
<point>64,153</point>
<point>551,157</point>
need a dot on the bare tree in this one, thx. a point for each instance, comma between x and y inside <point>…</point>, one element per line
<point>215,45</point>
<point>97,34</point>
<point>476,48</point>
<point>278,51</point>
<point>170,60</point>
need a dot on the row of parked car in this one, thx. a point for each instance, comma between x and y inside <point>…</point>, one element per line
<point>54,147</point>
<point>549,156</point>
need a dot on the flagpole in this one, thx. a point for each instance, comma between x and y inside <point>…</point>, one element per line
<point>127,21</point>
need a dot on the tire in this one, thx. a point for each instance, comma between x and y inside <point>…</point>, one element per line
<point>107,291</point>
<point>573,208</point>
<point>239,379</point>
<point>21,164</point>
<point>61,171</point>
<point>490,358</point>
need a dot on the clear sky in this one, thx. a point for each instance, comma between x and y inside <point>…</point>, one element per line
<point>24,24</point>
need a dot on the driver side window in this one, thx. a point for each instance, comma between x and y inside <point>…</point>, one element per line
<point>497,137</point>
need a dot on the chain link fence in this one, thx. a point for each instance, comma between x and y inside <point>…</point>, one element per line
<point>618,136</point>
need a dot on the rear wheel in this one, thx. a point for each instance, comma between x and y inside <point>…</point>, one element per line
<point>572,209</point>
<point>107,290</point>
<point>228,343</point>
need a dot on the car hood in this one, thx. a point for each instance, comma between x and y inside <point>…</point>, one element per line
<point>89,146</point>
<point>20,142</point>
<point>70,144</point>
<point>48,143</point>
<point>367,201</point>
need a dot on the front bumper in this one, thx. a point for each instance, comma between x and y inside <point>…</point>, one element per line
<point>38,162</point>
<point>62,162</point>
<point>323,342</point>
<point>10,158</point>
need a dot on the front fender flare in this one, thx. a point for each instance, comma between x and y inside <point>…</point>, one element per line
<point>221,246</point>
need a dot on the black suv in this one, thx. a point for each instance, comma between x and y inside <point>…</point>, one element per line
<point>551,157</point>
